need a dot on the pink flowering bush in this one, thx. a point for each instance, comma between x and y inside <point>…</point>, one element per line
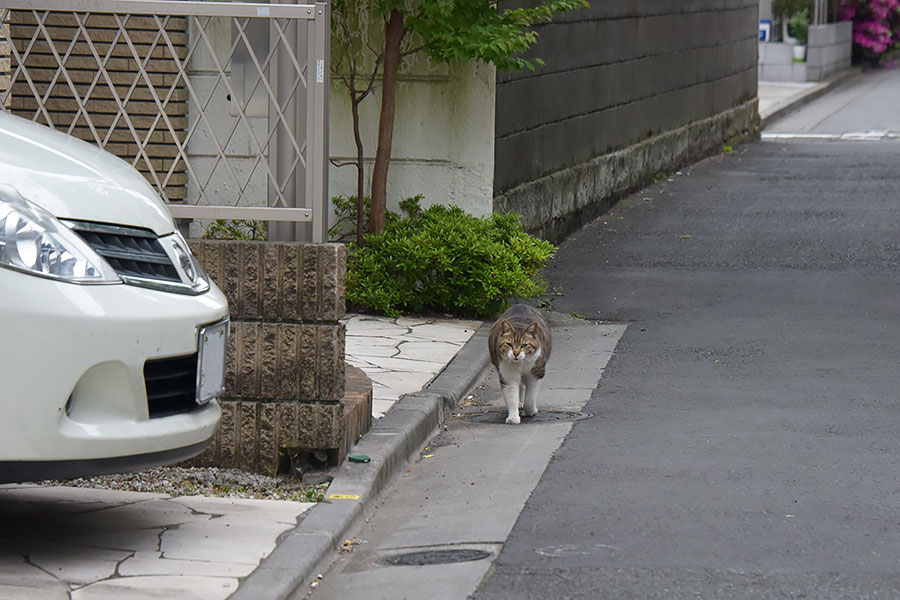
<point>876,24</point>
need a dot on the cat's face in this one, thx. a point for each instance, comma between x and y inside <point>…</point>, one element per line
<point>519,344</point>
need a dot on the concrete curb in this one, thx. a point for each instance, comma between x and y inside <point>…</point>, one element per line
<point>309,548</point>
<point>810,95</point>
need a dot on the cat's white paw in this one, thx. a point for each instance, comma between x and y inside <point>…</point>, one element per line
<point>531,413</point>
<point>513,420</point>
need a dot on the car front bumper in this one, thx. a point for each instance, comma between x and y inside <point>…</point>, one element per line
<point>72,363</point>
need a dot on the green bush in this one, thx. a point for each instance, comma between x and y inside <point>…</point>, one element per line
<point>240,229</point>
<point>344,228</point>
<point>444,260</point>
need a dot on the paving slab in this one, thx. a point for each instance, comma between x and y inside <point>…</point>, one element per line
<point>154,563</point>
<point>403,355</point>
<point>19,579</point>
<point>159,588</point>
<point>35,589</point>
<point>228,540</point>
<point>278,511</point>
<point>76,564</point>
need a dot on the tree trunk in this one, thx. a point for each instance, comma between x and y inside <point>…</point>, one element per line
<point>360,173</point>
<point>393,35</point>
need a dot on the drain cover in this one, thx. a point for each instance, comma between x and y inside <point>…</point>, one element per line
<point>435,557</point>
<point>547,416</point>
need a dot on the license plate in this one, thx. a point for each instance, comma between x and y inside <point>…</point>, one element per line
<point>211,367</point>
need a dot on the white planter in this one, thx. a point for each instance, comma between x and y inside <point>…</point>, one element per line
<point>799,52</point>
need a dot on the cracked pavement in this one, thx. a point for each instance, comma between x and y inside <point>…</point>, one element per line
<point>88,544</point>
<point>402,355</point>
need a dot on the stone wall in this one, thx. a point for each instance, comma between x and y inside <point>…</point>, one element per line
<point>617,75</point>
<point>285,380</point>
<point>555,205</point>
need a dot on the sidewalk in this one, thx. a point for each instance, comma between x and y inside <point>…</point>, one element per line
<point>87,544</point>
<point>777,99</point>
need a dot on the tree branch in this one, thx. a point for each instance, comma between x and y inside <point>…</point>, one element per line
<point>412,51</point>
<point>339,164</point>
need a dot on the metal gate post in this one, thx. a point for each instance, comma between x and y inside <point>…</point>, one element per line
<point>280,153</point>
<point>317,122</point>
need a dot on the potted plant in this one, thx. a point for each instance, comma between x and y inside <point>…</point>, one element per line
<point>799,26</point>
<point>787,10</point>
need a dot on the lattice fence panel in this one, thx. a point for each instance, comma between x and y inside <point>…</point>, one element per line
<point>61,102</point>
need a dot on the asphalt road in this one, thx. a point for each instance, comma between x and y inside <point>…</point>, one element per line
<point>746,437</point>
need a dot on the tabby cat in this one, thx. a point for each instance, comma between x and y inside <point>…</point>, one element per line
<point>519,346</point>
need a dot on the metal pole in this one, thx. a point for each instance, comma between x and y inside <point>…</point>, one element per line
<point>317,123</point>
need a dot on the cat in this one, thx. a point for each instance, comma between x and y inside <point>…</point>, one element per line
<point>519,345</point>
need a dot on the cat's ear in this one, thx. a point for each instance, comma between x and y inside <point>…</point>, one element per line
<point>505,326</point>
<point>532,328</point>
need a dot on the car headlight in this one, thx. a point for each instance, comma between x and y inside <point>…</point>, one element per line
<point>35,242</point>
<point>189,264</point>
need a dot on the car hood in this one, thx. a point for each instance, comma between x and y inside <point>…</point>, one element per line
<point>72,179</point>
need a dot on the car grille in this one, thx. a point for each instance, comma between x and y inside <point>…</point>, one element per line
<point>171,385</point>
<point>131,251</point>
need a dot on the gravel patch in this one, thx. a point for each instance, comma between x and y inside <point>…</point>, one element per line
<point>204,481</point>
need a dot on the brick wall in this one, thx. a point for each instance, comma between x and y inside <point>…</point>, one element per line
<point>4,65</point>
<point>122,68</point>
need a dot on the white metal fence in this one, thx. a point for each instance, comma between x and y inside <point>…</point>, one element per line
<point>222,106</point>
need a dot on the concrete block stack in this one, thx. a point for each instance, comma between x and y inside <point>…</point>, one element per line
<point>286,381</point>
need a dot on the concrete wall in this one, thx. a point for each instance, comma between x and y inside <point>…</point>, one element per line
<point>776,63</point>
<point>443,145</point>
<point>829,49</point>
<point>618,74</point>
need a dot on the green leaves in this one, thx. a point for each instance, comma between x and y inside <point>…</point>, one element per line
<point>464,29</point>
<point>240,229</point>
<point>442,259</point>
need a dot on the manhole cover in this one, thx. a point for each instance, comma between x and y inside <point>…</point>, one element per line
<point>544,416</point>
<point>435,557</point>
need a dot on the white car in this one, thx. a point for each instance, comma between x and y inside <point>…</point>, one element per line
<point>112,339</point>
